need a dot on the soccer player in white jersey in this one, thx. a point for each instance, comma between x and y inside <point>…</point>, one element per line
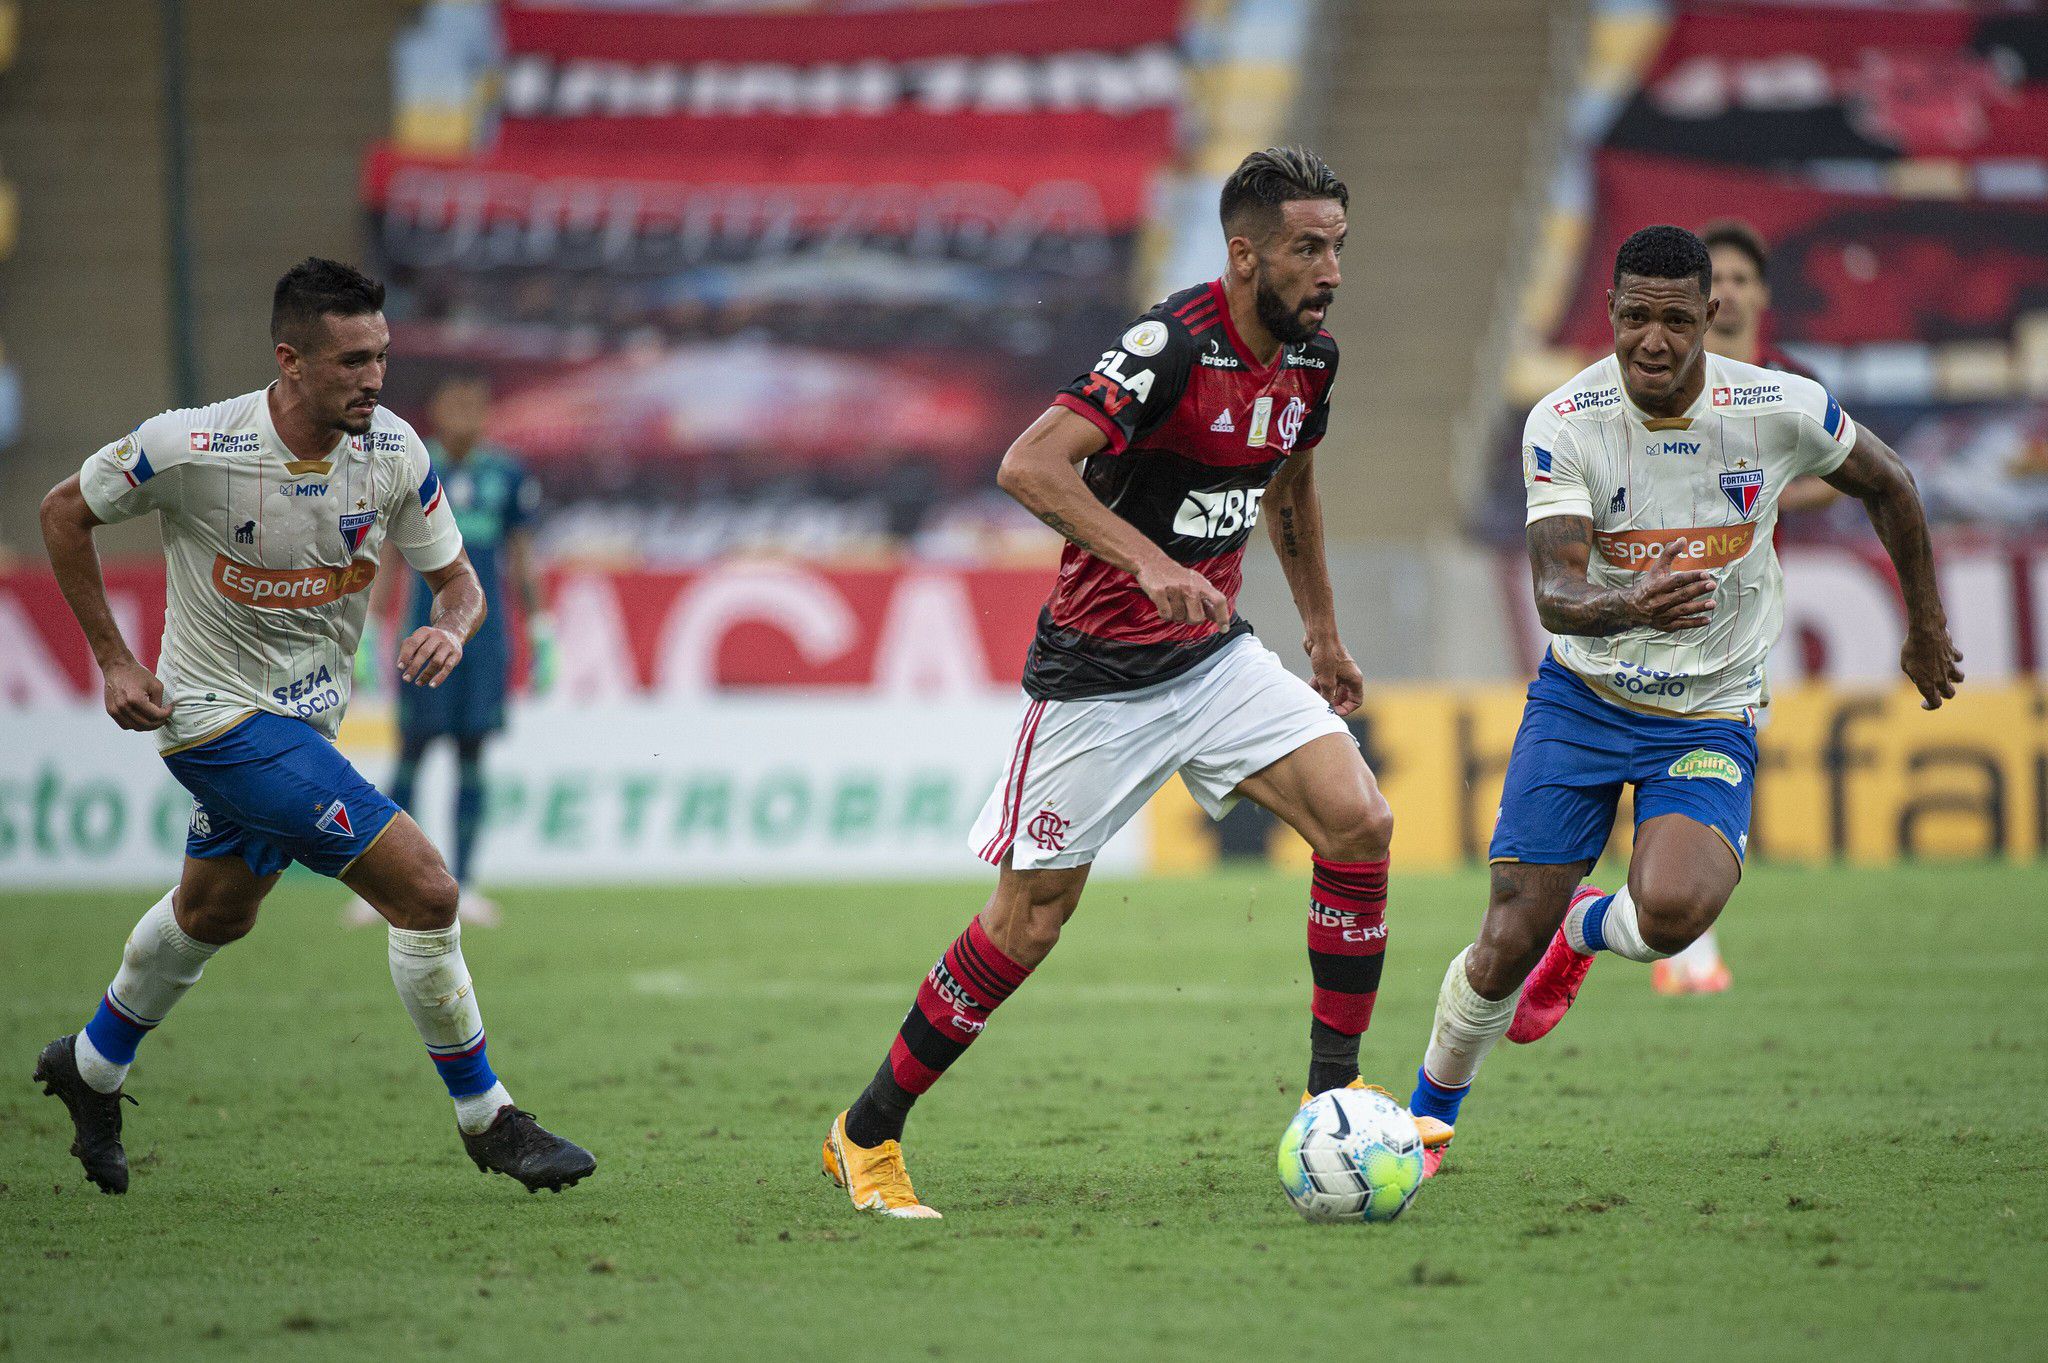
<point>1652,484</point>
<point>277,509</point>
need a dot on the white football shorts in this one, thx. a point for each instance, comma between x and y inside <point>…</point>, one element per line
<point>1080,769</point>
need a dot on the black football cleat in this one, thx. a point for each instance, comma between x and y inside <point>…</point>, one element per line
<point>95,1116</point>
<point>518,1146</point>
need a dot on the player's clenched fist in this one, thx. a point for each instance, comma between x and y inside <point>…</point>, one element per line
<point>428,655</point>
<point>135,698</point>
<point>1183,595</point>
<point>1337,678</point>
<point>1930,659</point>
<point>1671,601</point>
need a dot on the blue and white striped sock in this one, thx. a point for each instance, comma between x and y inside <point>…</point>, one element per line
<point>158,964</point>
<point>1608,924</point>
<point>433,981</point>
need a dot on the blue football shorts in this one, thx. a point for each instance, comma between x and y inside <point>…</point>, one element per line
<point>273,790</point>
<point>1575,751</point>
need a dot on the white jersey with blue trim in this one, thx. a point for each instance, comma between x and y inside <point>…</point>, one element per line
<point>1703,488</point>
<point>270,556</point>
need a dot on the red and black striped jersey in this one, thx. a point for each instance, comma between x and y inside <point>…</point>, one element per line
<point>1197,428</point>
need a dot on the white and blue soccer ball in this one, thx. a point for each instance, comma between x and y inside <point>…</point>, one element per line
<point>1351,1155</point>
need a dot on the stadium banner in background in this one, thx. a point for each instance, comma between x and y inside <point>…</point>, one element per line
<point>1895,159</point>
<point>760,788</point>
<point>1862,775</point>
<point>781,720</point>
<point>789,255</point>
<point>786,788</point>
<point>940,631</point>
<point>1767,84</point>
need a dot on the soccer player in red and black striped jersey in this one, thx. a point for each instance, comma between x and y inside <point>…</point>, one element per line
<point>1155,466</point>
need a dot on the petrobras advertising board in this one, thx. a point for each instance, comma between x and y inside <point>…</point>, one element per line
<point>781,787</point>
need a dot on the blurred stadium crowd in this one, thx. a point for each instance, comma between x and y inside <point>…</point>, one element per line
<point>762,289</point>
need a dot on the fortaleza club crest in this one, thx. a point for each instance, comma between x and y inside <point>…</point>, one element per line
<point>1704,762</point>
<point>1742,487</point>
<point>1049,830</point>
<point>336,820</point>
<point>355,527</point>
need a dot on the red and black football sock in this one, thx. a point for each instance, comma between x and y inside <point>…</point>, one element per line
<point>952,1006</point>
<point>1347,943</point>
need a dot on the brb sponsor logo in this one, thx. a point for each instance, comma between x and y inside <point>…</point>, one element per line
<point>1049,830</point>
<point>288,588</point>
<point>1217,515</point>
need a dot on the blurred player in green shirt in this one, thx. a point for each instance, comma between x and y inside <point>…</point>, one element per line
<point>494,502</point>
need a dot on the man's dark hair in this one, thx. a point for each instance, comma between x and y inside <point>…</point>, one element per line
<point>1740,235</point>
<point>316,288</point>
<point>1267,179</point>
<point>1665,252</point>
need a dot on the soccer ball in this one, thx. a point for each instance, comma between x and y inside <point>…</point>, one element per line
<point>1351,1155</point>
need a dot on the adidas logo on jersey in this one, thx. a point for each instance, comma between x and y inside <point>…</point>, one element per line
<point>1223,425</point>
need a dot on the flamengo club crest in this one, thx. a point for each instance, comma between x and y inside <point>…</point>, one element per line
<point>1049,830</point>
<point>1742,487</point>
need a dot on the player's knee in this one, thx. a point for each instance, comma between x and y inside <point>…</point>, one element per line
<point>426,901</point>
<point>214,918</point>
<point>1363,830</point>
<point>1498,963</point>
<point>1672,917</point>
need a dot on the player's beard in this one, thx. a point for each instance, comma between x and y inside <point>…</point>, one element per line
<point>1285,322</point>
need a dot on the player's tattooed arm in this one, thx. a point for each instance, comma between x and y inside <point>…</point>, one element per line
<point>134,696</point>
<point>1875,475</point>
<point>1567,602</point>
<point>1039,470</point>
<point>431,652</point>
<point>1294,522</point>
<point>1066,529</point>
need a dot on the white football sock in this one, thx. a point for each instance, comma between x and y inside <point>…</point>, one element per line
<point>1608,925</point>
<point>475,1112</point>
<point>1466,1027</point>
<point>433,981</point>
<point>159,963</point>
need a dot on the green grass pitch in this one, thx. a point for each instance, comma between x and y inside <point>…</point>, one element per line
<point>1845,1157</point>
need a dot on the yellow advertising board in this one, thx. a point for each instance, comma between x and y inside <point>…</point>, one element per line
<point>1864,776</point>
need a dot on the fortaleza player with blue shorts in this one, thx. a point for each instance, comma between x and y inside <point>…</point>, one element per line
<point>1653,481</point>
<point>277,509</point>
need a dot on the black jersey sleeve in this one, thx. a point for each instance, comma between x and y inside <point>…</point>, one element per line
<point>1136,383</point>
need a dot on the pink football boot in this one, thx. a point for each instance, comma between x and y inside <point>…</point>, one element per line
<point>1548,993</point>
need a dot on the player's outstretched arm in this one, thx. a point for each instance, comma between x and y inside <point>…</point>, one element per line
<point>431,652</point>
<point>1874,474</point>
<point>1561,547</point>
<point>1039,471</point>
<point>134,696</point>
<point>1294,522</point>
